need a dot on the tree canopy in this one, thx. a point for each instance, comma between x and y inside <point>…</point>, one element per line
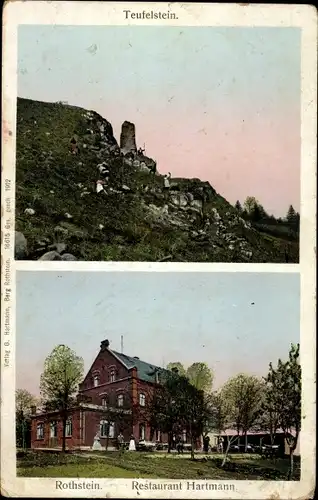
<point>199,374</point>
<point>63,371</point>
<point>177,406</point>
<point>24,400</point>
<point>244,395</point>
<point>284,398</point>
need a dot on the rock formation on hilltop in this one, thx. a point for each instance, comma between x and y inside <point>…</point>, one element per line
<point>82,196</point>
<point>128,138</point>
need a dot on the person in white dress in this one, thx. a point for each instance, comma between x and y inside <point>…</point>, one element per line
<point>132,444</point>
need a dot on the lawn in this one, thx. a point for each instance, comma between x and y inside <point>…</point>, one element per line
<point>150,465</point>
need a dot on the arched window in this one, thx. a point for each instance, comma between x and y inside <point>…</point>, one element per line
<point>120,400</point>
<point>104,401</point>
<point>112,376</point>
<point>96,380</point>
<point>142,399</point>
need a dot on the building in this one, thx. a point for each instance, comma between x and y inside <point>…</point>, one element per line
<point>256,439</point>
<point>112,399</point>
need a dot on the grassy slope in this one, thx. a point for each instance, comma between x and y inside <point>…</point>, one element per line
<point>135,465</point>
<point>44,164</point>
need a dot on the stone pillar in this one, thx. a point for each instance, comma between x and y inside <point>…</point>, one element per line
<point>128,138</point>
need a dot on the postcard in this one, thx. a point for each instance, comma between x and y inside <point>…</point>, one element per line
<point>131,154</point>
<point>158,250</point>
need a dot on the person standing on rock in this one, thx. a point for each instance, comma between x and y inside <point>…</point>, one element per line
<point>166,181</point>
<point>74,147</point>
<point>166,184</point>
<point>100,186</point>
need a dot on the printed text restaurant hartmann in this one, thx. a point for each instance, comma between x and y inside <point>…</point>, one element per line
<point>149,14</point>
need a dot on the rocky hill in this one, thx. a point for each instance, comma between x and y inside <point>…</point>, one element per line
<point>64,153</point>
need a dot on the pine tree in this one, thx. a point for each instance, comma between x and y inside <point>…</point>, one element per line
<point>291,214</point>
<point>238,206</point>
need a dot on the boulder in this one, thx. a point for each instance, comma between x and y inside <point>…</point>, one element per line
<point>68,256</point>
<point>59,247</point>
<point>128,138</point>
<point>20,246</point>
<point>29,211</point>
<point>51,256</point>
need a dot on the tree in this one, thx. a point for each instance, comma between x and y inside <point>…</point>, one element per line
<point>200,375</point>
<point>238,206</point>
<point>244,394</point>
<point>269,420</point>
<point>24,401</point>
<point>178,366</point>
<point>291,214</point>
<point>284,386</point>
<point>63,371</point>
<point>249,204</point>
<point>177,406</point>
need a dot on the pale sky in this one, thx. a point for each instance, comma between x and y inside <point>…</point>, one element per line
<point>221,104</point>
<point>164,317</point>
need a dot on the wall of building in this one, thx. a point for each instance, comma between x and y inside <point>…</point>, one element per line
<point>73,441</point>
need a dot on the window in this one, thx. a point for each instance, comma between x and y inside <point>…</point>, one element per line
<point>68,428</point>
<point>158,436</point>
<point>107,428</point>
<point>142,399</point>
<point>53,429</point>
<point>120,400</point>
<point>40,431</point>
<point>104,402</point>
<point>96,380</point>
<point>142,432</point>
<point>112,376</point>
<point>184,436</point>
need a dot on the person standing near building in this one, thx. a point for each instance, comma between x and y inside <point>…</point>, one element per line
<point>120,441</point>
<point>132,444</point>
<point>206,442</point>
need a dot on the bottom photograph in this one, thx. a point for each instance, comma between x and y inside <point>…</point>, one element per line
<point>176,375</point>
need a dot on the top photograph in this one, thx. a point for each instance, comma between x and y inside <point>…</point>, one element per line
<point>158,144</point>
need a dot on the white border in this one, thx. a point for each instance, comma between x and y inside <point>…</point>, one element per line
<point>91,13</point>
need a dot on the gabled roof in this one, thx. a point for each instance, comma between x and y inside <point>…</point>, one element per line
<point>146,371</point>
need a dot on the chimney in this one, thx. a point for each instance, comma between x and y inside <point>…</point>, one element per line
<point>104,345</point>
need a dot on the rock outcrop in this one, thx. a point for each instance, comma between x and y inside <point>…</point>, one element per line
<point>128,138</point>
<point>137,216</point>
<point>20,246</point>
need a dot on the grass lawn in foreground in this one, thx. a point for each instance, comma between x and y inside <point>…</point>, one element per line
<point>149,465</point>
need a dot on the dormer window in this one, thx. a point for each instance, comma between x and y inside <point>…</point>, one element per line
<point>96,380</point>
<point>142,399</point>
<point>112,376</point>
<point>120,400</point>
